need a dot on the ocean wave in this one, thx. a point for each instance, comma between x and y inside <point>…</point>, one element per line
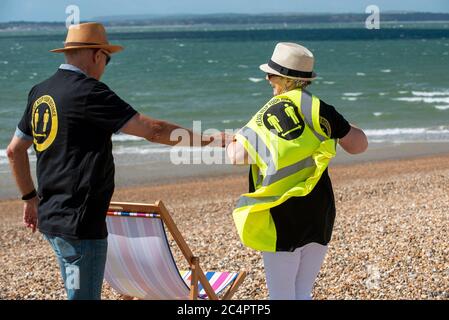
<point>255,79</point>
<point>147,150</point>
<point>409,134</point>
<point>352,94</point>
<point>329,82</point>
<point>117,150</point>
<point>395,135</point>
<point>125,137</point>
<point>442,107</point>
<point>378,114</point>
<point>142,150</point>
<point>424,99</point>
<point>349,98</point>
<point>142,94</point>
<point>129,151</point>
<point>385,70</point>
<point>233,120</point>
<point>393,131</point>
<point>430,94</point>
<point>4,157</point>
<point>361,74</point>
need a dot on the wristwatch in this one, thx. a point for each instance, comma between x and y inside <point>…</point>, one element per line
<point>30,195</point>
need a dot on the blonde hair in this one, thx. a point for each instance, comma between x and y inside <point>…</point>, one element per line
<point>292,84</point>
<point>302,84</point>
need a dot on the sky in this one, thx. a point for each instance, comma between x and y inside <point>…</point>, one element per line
<point>55,10</point>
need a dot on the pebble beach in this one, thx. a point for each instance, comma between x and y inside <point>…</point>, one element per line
<point>390,239</point>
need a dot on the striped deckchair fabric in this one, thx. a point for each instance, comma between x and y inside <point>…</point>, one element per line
<point>140,263</point>
<point>218,280</point>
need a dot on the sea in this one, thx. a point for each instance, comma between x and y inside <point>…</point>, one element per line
<point>393,82</point>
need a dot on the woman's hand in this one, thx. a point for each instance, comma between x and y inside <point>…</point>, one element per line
<point>237,154</point>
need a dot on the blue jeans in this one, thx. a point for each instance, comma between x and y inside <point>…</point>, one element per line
<point>82,264</point>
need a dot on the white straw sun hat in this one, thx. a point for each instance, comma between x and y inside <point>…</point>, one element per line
<point>292,61</point>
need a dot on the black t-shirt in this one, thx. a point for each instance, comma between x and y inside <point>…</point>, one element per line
<point>71,118</point>
<point>302,220</point>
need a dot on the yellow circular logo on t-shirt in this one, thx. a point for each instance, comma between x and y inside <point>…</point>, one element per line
<point>44,122</point>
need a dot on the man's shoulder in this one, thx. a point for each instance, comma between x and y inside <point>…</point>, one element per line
<point>76,82</point>
<point>101,86</point>
<point>40,87</point>
<point>61,78</point>
<point>64,85</point>
<point>100,90</point>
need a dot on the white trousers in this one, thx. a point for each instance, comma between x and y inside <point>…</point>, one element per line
<point>291,275</point>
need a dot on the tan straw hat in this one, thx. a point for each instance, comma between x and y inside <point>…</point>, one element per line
<point>292,61</point>
<point>89,35</point>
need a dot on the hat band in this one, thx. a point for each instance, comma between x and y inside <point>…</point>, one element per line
<point>289,72</point>
<point>76,44</point>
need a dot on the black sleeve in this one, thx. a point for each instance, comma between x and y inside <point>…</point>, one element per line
<point>332,122</point>
<point>25,123</point>
<point>106,110</point>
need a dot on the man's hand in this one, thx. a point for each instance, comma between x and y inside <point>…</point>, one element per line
<point>30,213</point>
<point>229,138</point>
<point>221,139</point>
<point>20,167</point>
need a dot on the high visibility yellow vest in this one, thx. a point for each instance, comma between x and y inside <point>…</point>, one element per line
<point>291,152</point>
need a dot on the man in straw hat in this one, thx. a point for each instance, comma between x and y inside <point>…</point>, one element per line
<point>70,118</point>
<point>289,211</point>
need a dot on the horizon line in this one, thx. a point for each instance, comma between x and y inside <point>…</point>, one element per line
<point>162,15</point>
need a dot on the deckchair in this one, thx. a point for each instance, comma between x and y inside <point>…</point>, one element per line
<point>140,263</point>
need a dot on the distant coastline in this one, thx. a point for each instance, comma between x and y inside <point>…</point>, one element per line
<point>234,19</point>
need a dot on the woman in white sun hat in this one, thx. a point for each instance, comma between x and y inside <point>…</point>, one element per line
<point>288,213</point>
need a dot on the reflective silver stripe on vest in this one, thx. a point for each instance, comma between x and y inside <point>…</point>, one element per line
<point>248,201</point>
<point>262,150</point>
<point>259,178</point>
<point>306,109</point>
<point>260,147</point>
<point>288,171</point>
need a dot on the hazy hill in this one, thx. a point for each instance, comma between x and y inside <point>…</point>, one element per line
<point>240,19</point>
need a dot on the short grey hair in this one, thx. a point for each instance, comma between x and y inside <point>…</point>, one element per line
<point>75,53</point>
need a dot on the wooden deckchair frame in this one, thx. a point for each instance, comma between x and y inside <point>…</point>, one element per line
<point>193,261</point>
